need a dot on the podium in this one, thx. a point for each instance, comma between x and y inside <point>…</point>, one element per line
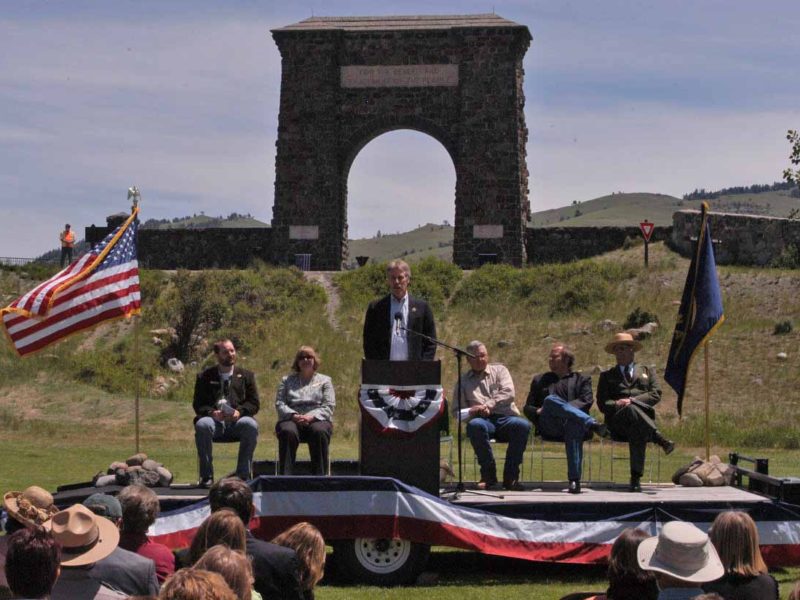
<point>411,458</point>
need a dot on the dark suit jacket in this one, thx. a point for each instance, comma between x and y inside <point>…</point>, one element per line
<point>642,389</point>
<point>127,572</point>
<point>275,569</point>
<point>242,394</point>
<point>378,330</point>
<point>578,392</point>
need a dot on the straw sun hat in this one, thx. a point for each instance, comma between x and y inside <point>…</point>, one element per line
<point>31,507</point>
<point>681,551</point>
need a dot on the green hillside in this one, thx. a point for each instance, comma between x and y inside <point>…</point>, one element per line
<point>205,222</point>
<point>425,241</point>
<point>630,209</point>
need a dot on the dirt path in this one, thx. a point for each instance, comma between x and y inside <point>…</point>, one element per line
<point>325,279</point>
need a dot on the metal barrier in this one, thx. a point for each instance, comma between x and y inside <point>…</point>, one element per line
<point>16,261</point>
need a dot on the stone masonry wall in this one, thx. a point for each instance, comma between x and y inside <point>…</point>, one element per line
<point>743,239</point>
<point>564,244</point>
<point>203,248</point>
<point>323,126</point>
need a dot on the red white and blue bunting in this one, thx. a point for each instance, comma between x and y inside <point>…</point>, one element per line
<point>401,410</point>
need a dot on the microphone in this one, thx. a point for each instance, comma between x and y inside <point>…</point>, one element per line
<point>398,317</point>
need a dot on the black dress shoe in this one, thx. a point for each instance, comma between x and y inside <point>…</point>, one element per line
<point>205,483</point>
<point>600,429</point>
<point>666,445</point>
<point>574,486</point>
<point>635,485</point>
<point>513,485</point>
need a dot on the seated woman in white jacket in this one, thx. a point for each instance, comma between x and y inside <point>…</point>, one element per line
<point>305,403</point>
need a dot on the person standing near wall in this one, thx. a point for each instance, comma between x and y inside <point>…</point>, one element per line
<point>67,238</point>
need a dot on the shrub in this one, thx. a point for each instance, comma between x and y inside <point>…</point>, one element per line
<point>789,258</point>
<point>782,328</point>
<point>639,317</point>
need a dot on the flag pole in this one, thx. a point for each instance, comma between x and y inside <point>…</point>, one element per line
<point>135,196</point>
<point>708,403</point>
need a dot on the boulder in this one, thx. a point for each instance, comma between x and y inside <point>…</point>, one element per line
<point>175,365</point>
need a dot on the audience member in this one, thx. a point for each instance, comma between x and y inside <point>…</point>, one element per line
<point>710,596</point>
<point>28,508</point>
<point>85,539</point>
<point>795,593</point>
<point>682,557</point>
<point>308,543</point>
<point>121,570</point>
<point>32,563</point>
<point>626,581</point>
<point>305,403</point>
<point>221,527</point>
<point>234,567</point>
<point>274,567</point>
<point>735,537</point>
<point>140,508</point>
<point>196,584</point>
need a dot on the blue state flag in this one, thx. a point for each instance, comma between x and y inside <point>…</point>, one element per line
<point>700,313</point>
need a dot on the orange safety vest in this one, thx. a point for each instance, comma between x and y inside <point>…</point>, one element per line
<point>67,238</point>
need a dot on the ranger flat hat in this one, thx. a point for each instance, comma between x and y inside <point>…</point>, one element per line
<point>622,339</point>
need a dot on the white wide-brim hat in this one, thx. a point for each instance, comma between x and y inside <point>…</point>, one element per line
<point>681,551</point>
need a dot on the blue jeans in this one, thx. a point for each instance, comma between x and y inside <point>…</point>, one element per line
<point>514,430</point>
<point>244,431</point>
<point>561,420</point>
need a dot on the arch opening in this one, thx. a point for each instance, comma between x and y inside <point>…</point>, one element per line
<point>401,181</point>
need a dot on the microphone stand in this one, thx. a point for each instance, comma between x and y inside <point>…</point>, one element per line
<point>460,353</point>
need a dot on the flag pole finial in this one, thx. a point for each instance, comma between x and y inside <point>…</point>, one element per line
<point>134,196</point>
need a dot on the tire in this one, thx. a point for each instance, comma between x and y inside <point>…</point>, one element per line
<point>380,561</point>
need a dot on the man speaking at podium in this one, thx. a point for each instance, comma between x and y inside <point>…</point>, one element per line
<point>385,335</point>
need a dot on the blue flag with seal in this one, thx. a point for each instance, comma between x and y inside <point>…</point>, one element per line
<point>700,313</point>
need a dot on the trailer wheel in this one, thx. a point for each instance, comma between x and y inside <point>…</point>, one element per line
<point>380,561</point>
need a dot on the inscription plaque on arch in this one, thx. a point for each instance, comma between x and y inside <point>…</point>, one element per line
<point>399,76</point>
<point>303,232</point>
<point>487,232</point>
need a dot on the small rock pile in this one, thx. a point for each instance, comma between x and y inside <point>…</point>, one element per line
<point>136,469</point>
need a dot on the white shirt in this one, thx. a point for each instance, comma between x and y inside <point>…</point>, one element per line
<point>399,348</point>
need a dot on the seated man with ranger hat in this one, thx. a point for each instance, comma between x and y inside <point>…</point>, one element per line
<point>627,394</point>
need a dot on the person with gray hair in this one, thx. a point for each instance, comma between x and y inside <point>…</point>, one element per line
<point>392,323</point>
<point>487,396</point>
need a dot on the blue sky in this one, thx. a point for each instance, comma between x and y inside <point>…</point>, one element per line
<point>181,99</point>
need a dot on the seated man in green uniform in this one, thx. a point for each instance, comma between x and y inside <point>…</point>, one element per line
<point>627,393</point>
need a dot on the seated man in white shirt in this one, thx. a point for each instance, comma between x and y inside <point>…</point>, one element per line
<point>488,390</point>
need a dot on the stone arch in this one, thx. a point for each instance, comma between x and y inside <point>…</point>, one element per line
<point>345,81</point>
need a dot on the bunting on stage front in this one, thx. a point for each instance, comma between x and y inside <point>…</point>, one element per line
<point>100,285</point>
<point>700,313</point>
<point>401,410</point>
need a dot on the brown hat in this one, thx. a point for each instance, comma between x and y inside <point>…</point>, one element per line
<point>31,507</point>
<point>681,551</point>
<point>85,537</point>
<point>622,339</point>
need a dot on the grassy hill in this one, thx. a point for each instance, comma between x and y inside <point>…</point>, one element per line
<point>630,209</point>
<point>47,400</point>
<point>423,242</point>
<point>205,222</point>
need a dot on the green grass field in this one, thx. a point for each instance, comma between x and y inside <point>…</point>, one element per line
<point>68,412</point>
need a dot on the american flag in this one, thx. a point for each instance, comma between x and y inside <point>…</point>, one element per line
<point>102,284</point>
